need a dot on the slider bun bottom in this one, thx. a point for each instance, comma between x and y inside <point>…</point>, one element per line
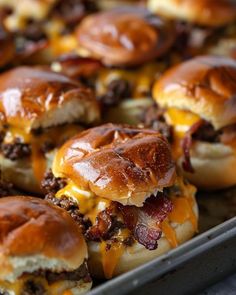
<point>214,166</point>
<point>20,173</point>
<point>137,254</point>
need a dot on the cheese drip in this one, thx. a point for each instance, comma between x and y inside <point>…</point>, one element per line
<point>91,205</point>
<point>181,120</point>
<point>55,135</point>
<point>141,78</point>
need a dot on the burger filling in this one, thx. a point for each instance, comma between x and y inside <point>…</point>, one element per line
<point>117,227</point>
<point>17,144</point>
<point>194,38</point>
<point>44,282</point>
<point>189,128</point>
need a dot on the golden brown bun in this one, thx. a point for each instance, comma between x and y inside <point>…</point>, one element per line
<point>202,12</point>
<point>7,49</point>
<point>137,254</point>
<point>116,162</point>
<point>37,235</point>
<point>204,85</point>
<point>213,164</point>
<point>32,98</point>
<point>125,36</point>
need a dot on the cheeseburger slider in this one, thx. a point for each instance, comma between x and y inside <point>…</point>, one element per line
<point>124,182</point>
<point>39,110</point>
<point>199,98</point>
<point>129,42</point>
<point>202,22</point>
<point>42,250</point>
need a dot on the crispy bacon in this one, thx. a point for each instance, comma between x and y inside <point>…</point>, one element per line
<point>106,225</point>
<point>186,146</point>
<point>144,222</point>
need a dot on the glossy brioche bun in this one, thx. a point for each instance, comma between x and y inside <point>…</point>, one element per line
<point>117,162</point>
<point>137,254</point>
<point>214,165</point>
<point>125,36</point>
<point>31,98</point>
<point>36,235</point>
<point>7,48</point>
<point>204,85</point>
<point>201,12</point>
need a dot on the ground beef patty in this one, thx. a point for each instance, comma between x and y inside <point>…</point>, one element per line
<point>153,117</point>
<point>16,150</point>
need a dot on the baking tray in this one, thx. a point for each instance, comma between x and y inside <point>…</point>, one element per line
<point>193,266</point>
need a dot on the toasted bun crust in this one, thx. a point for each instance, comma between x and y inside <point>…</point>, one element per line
<point>125,36</point>
<point>7,49</point>
<point>37,235</point>
<point>32,98</point>
<point>137,254</point>
<point>214,166</point>
<point>202,12</point>
<point>204,85</point>
<point>116,162</point>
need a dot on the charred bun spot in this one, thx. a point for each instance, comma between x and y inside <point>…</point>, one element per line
<point>117,162</point>
<point>204,85</point>
<point>125,36</point>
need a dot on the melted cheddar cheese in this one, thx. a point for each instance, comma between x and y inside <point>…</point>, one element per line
<point>56,135</point>
<point>91,205</point>
<point>181,121</point>
<point>110,257</point>
<point>141,78</point>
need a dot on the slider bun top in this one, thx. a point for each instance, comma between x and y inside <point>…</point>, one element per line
<point>36,235</point>
<point>201,12</point>
<point>32,98</point>
<point>7,49</point>
<point>205,85</point>
<point>117,162</point>
<point>125,36</point>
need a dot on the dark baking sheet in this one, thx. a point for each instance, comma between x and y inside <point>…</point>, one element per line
<point>188,269</point>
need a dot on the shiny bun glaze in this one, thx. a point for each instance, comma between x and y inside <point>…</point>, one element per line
<point>117,162</point>
<point>201,12</point>
<point>32,227</point>
<point>7,49</point>
<point>125,36</point>
<point>204,85</point>
<point>27,94</point>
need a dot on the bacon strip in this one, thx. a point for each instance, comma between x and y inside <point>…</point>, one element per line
<point>186,146</point>
<point>144,222</point>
